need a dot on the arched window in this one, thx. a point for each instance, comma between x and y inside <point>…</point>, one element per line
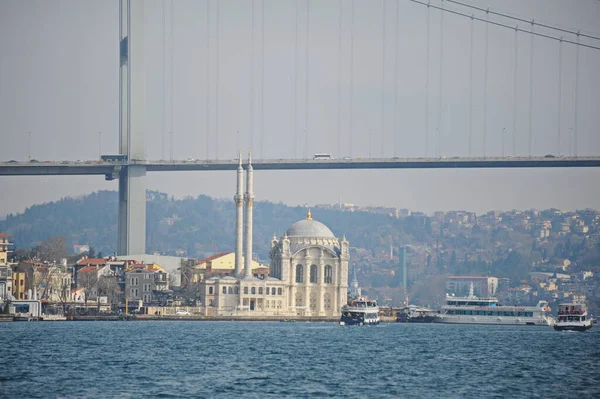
<point>253,290</point>
<point>260,290</point>
<point>246,290</point>
<point>267,291</point>
<point>236,290</point>
<point>210,302</point>
<point>273,291</point>
<point>230,290</point>
<point>279,291</point>
<point>328,274</point>
<point>224,290</point>
<point>210,290</point>
<point>313,274</point>
<point>299,273</point>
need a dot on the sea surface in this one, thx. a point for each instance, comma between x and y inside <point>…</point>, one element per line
<point>199,359</point>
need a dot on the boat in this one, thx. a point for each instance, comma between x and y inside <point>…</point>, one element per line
<point>474,310</point>
<point>573,317</point>
<point>360,311</point>
<point>416,314</point>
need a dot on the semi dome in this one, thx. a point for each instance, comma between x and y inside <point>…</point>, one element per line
<point>309,228</point>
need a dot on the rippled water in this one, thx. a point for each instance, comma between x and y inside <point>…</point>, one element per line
<point>274,360</point>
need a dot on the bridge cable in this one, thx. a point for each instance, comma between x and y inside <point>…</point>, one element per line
<point>516,62</point>
<point>306,82</point>
<point>172,70</point>
<point>485,86</point>
<point>396,81</point>
<point>471,91</point>
<point>351,73</point>
<point>558,110</point>
<point>529,143</point>
<point>252,5</point>
<point>524,20</point>
<point>339,67</point>
<point>217,78</point>
<point>164,88</point>
<point>296,85</point>
<point>208,78</point>
<point>427,85</point>
<point>576,96</point>
<point>439,127</point>
<point>383,20</point>
<point>577,43</point>
<point>262,79</point>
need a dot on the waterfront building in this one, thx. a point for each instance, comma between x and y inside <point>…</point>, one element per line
<point>483,286</point>
<point>308,270</point>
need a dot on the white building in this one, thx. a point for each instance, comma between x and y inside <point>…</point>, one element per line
<point>308,270</point>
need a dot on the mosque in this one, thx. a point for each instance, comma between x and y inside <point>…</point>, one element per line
<point>308,271</point>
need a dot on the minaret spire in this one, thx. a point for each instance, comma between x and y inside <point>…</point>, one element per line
<point>239,221</point>
<point>249,199</point>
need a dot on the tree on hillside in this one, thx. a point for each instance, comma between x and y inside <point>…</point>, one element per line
<point>54,249</point>
<point>89,282</point>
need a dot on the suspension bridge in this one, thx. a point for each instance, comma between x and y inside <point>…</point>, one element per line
<point>372,105</point>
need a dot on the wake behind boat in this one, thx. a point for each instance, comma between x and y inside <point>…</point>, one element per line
<point>572,317</point>
<point>360,311</point>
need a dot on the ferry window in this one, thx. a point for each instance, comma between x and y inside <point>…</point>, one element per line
<point>253,290</point>
<point>279,291</point>
<point>236,290</point>
<point>260,290</point>
<point>299,273</point>
<point>224,290</point>
<point>246,290</point>
<point>328,274</point>
<point>210,290</point>
<point>313,273</point>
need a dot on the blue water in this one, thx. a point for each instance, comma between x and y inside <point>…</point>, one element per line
<point>194,359</point>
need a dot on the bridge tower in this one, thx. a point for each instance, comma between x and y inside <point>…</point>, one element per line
<point>132,95</point>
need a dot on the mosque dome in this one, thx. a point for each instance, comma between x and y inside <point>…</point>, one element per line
<point>309,228</point>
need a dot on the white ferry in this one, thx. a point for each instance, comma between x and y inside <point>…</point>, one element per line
<point>360,311</point>
<point>474,310</point>
<point>572,317</point>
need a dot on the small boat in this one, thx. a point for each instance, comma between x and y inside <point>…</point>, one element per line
<point>572,317</point>
<point>416,314</point>
<point>360,311</point>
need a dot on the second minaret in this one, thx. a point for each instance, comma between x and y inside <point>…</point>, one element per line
<point>249,200</point>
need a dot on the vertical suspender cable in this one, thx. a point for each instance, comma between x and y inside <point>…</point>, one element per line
<point>439,127</point>
<point>339,99</point>
<point>164,91</point>
<point>351,73</point>
<point>296,84</point>
<point>558,111</point>
<point>576,94</point>
<point>172,64</point>
<point>427,85</point>
<point>306,81</point>
<point>218,84</point>
<point>208,77</point>
<point>516,60</point>
<point>471,90</point>
<point>485,83</point>
<point>529,143</point>
<point>252,76</point>
<point>383,10</point>
<point>262,79</point>
<point>396,81</point>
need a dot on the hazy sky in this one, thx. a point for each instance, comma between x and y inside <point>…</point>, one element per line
<point>59,81</point>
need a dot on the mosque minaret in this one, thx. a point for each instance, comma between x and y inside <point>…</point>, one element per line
<point>249,199</point>
<point>239,221</point>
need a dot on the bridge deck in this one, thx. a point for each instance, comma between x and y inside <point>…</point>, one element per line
<point>100,168</point>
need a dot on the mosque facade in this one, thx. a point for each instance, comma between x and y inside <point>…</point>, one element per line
<point>308,270</point>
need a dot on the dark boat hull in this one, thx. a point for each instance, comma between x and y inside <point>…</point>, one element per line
<point>572,328</point>
<point>349,321</point>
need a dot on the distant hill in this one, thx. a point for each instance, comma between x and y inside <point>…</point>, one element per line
<point>198,226</point>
